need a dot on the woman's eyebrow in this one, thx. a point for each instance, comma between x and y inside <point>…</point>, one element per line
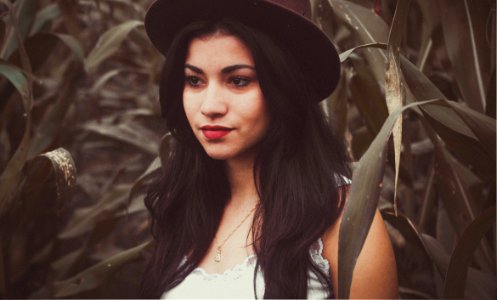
<point>194,69</point>
<point>225,70</point>
<point>232,68</point>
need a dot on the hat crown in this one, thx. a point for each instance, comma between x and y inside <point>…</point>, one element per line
<point>300,7</point>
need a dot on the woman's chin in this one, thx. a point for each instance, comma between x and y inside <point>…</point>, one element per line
<point>225,151</point>
<point>219,155</point>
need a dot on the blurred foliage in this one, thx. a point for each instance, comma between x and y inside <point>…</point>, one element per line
<point>80,133</point>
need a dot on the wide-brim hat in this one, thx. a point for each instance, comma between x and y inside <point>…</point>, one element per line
<point>287,21</point>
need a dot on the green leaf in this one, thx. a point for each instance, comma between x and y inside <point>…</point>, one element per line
<point>21,16</point>
<point>480,285</point>
<point>446,122</point>
<point>11,175</point>
<point>367,96</point>
<point>44,16</point>
<point>413,242</point>
<point>455,282</point>
<point>398,25</point>
<point>452,189</point>
<point>16,77</point>
<point>431,19</point>
<point>98,274</point>
<point>422,89</point>
<point>361,206</point>
<point>473,184</point>
<point>482,126</point>
<point>464,26</point>
<point>368,27</point>
<point>103,79</point>
<point>73,44</point>
<point>406,227</point>
<point>345,54</point>
<point>109,43</point>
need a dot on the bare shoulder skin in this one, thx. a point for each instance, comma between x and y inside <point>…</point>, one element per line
<point>375,274</point>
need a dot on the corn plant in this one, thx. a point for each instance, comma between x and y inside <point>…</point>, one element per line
<point>423,72</point>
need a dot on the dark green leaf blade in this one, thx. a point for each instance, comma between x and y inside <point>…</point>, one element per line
<point>345,54</point>
<point>16,77</point>
<point>464,24</point>
<point>481,125</point>
<point>368,27</point>
<point>361,206</point>
<point>446,122</point>
<point>455,282</point>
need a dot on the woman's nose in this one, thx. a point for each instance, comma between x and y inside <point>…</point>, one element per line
<point>214,104</point>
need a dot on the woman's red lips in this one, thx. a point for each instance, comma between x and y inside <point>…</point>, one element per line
<point>213,132</point>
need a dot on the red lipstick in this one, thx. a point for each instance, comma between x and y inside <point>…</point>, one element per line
<point>213,132</point>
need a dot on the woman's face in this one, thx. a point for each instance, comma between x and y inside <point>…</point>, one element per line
<point>222,99</point>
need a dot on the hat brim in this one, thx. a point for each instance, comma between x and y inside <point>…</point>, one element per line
<point>310,46</point>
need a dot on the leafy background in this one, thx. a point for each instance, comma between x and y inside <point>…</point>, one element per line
<point>81,136</point>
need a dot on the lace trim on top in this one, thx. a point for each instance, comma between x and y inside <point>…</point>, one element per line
<point>316,252</point>
<point>235,272</point>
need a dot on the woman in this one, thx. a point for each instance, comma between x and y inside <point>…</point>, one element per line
<point>249,202</point>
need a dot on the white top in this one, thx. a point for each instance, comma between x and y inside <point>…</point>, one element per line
<point>237,282</point>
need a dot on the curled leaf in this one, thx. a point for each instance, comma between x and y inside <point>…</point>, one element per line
<point>57,165</point>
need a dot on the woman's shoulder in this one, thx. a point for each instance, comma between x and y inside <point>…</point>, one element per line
<point>330,237</point>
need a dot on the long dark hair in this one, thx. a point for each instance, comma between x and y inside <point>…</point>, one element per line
<point>299,166</point>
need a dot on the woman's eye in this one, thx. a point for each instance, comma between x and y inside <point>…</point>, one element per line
<point>240,81</point>
<point>193,81</point>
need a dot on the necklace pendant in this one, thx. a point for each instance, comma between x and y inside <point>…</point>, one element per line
<point>217,257</point>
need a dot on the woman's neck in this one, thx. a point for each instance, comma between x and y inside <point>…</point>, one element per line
<point>241,177</point>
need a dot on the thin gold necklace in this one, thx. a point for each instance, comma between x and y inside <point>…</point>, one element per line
<point>217,257</point>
